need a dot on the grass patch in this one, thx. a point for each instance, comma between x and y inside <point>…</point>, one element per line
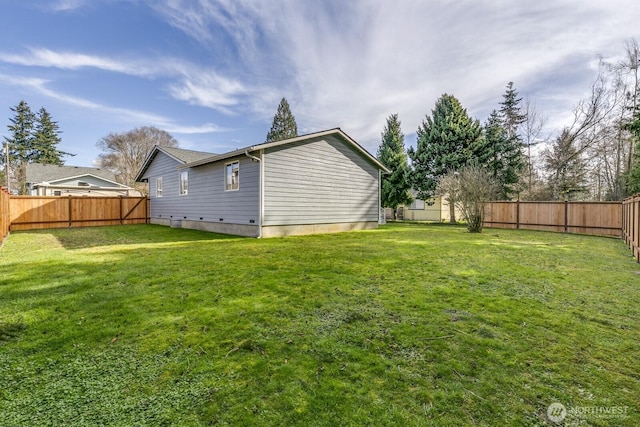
<point>405,325</point>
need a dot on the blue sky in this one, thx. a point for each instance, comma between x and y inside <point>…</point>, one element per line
<point>212,72</point>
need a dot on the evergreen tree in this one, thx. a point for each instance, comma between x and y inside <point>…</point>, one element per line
<point>21,143</point>
<point>33,139</point>
<point>510,112</point>
<point>46,139</point>
<point>633,177</point>
<point>445,142</point>
<point>500,154</point>
<point>566,168</point>
<point>284,124</point>
<point>391,153</point>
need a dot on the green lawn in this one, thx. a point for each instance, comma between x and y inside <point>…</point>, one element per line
<point>405,325</point>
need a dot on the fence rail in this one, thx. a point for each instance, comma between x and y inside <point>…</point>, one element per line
<point>598,218</point>
<point>631,224</point>
<point>38,212</point>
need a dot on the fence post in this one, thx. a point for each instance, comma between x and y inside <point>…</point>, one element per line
<point>624,221</point>
<point>120,208</point>
<point>636,228</point>
<point>70,215</point>
<point>518,214</point>
<point>566,216</point>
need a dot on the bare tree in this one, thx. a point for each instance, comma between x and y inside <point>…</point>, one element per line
<point>448,188</point>
<point>472,187</point>
<point>632,65</point>
<point>124,153</point>
<point>610,151</point>
<point>531,133</point>
<point>477,188</point>
<point>570,150</point>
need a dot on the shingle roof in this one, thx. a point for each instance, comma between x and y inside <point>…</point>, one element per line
<point>186,156</point>
<point>180,154</point>
<point>37,172</point>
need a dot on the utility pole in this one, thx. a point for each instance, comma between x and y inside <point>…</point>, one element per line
<point>6,165</point>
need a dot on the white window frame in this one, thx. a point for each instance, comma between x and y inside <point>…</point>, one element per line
<point>414,206</point>
<point>184,183</point>
<point>229,167</point>
<point>159,186</point>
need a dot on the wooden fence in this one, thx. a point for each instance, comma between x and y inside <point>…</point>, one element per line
<point>37,212</point>
<point>631,224</point>
<point>599,218</point>
<point>5,220</point>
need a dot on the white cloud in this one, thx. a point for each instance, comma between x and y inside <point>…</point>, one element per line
<point>66,5</point>
<point>38,57</point>
<point>351,64</point>
<point>135,117</point>
<point>207,89</point>
<point>189,82</point>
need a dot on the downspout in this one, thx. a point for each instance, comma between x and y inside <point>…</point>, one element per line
<point>260,190</point>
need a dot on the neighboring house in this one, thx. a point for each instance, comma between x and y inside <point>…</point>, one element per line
<point>54,180</point>
<point>421,210</point>
<point>317,183</point>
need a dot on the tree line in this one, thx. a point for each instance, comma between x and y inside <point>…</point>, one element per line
<point>33,138</point>
<point>596,156</point>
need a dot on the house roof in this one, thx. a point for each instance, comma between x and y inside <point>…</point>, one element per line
<point>181,155</point>
<point>185,156</point>
<point>335,132</point>
<point>38,172</point>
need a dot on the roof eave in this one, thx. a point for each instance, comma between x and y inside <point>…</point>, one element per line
<point>149,158</point>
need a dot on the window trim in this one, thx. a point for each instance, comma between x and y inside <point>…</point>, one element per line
<point>159,188</point>
<point>183,183</point>
<point>228,187</point>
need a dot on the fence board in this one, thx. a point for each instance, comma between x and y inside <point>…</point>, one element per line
<point>38,212</point>
<point>599,218</point>
<point>631,224</point>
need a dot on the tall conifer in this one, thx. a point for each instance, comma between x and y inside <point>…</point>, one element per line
<point>392,154</point>
<point>446,141</point>
<point>284,124</point>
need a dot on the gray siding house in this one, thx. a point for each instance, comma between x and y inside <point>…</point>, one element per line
<point>317,183</point>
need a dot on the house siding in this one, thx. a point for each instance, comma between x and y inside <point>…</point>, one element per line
<point>206,199</point>
<point>320,181</point>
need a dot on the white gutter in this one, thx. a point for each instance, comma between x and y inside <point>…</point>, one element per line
<point>260,190</point>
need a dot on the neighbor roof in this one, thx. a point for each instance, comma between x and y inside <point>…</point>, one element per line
<point>38,172</point>
<point>335,131</point>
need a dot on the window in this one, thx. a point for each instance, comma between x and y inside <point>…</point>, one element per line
<point>159,187</point>
<point>184,183</point>
<point>57,193</point>
<point>417,205</point>
<point>232,176</point>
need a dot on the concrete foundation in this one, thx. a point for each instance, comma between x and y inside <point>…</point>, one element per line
<point>267,231</point>
<point>303,229</point>
<point>221,227</point>
<point>160,221</point>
